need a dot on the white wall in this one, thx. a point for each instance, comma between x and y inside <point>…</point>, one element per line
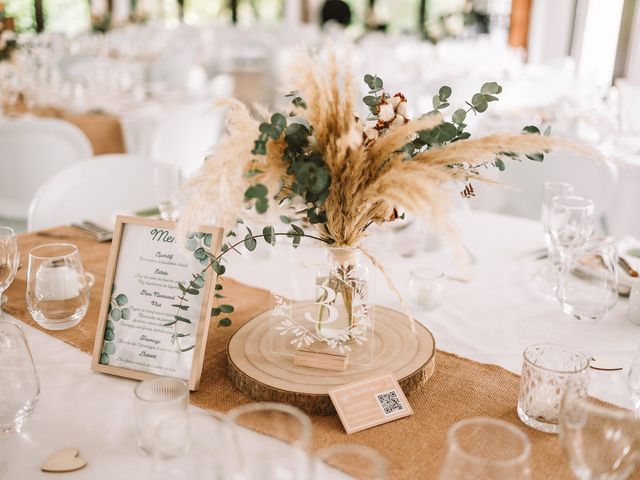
<point>550,30</point>
<point>633,62</point>
<point>595,39</point>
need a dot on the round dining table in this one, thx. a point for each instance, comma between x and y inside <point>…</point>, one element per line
<point>490,314</point>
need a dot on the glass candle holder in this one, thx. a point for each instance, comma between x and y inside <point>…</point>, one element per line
<point>426,288</point>
<point>162,401</point>
<point>546,371</point>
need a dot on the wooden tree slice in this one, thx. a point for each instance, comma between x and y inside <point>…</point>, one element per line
<point>267,376</point>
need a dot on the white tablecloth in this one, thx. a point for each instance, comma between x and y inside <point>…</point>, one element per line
<point>491,319</point>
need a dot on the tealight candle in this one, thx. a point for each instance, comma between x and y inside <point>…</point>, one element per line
<point>426,288</point>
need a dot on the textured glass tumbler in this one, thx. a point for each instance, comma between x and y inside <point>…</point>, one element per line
<point>483,448</point>
<point>162,400</point>
<point>546,370</point>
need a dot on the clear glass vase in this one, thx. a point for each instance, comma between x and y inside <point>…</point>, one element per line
<point>342,291</point>
<point>326,308</point>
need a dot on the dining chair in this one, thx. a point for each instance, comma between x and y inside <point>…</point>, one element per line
<point>186,134</point>
<point>95,189</point>
<point>32,150</point>
<point>593,178</point>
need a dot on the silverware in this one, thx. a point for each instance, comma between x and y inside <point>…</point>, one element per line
<point>626,267</point>
<point>99,236</point>
<point>96,227</point>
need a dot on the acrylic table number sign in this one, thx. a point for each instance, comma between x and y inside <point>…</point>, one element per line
<point>155,311</point>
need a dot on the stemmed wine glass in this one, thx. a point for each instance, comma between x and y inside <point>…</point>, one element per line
<point>19,385</point>
<point>483,448</point>
<point>547,275</point>
<point>271,441</point>
<point>9,260</point>
<point>601,441</point>
<point>571,222</point>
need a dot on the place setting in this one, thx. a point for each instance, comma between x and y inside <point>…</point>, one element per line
<point>319,240</point>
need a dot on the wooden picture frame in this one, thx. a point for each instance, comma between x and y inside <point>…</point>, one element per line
<point>208,241</point>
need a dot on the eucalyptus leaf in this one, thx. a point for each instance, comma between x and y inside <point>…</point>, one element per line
<point>224,322</point>
<point>459,116</point>
<point>109,348</point>
<point>109,335</point>
<point>226,308</point>
<point>269,235</point>
<point>444,92</point>
<point>250,242</point>
<point>121,299</point>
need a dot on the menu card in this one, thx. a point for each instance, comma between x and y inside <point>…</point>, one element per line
<point>157,301</point>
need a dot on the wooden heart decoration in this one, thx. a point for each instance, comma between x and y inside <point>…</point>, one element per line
<point>65,460</point>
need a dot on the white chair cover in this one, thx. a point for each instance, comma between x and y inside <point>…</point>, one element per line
<point>186,134</point>
<point>94,190</point>
<point>31,151</point>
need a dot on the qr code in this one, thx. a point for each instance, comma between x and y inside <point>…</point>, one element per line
<point>390,402</point>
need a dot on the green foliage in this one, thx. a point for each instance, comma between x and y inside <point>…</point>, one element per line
<point>376,94</point>
<point>296,100</point>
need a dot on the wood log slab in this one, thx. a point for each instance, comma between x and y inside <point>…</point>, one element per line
<point>268,376</point>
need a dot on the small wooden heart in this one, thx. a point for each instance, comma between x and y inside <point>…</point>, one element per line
<point>65,460</point>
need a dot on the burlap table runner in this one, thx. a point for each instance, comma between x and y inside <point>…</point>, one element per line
<point>103,131</point>
<point>415,446</point>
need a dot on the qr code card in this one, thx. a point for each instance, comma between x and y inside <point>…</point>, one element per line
<point>369,403</point>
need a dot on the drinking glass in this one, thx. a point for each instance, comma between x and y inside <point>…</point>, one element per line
<point>9,260</point>
<point>19,385</point>
<point>546,371</point>
<point>167,180</point>
<point>357,461</point>
<point>158,400</point>
<point>484,448</point>
<point>546,277</point>
<point>588,286</point>
<point>600,440</point>
<point>570,223</point>
<point>272,442</point>
<point>57,287</point>
<point>549,191</point>
<point>204,457</point>
<point>426,286</point>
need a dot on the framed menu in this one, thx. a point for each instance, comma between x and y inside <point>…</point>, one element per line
<point>157,299</point>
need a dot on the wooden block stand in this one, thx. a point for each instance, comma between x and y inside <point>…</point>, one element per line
<point>267,376</point>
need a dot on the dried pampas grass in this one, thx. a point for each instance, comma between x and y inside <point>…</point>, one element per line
<point>370,181</point>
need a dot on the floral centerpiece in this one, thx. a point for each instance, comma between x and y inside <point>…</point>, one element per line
<point>329,173</point>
